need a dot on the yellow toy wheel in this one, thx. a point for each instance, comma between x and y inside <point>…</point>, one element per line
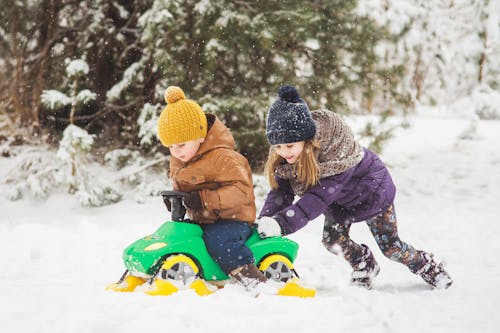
<point>180,268</point>
<point>277,267</point>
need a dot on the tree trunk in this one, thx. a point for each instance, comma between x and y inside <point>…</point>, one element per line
<point>417,76</point>
<point>46,41</point>
<point>17,86</point>
<point>482,58</point>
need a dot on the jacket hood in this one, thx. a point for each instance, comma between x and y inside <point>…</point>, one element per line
<point>218,136</point>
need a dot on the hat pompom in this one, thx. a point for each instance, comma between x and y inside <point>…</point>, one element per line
<point>174,94</point>
<point>289,94</point>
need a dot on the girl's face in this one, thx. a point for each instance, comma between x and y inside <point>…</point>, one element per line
<point>185,151</point>
<point>290,151</point>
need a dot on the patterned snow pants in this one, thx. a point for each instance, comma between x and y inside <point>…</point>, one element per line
<point>384,229</point>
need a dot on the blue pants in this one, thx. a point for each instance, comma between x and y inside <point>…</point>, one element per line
<point>225,242</point>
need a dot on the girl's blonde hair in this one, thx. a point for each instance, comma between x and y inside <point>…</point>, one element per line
<point>306,168</point>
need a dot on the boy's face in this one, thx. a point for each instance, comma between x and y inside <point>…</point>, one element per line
<point>185,151</point>
<point>290,151</point>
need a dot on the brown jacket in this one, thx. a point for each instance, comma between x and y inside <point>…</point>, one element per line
<point>222,175</point>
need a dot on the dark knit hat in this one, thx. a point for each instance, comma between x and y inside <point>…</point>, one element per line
<point>289,119</point>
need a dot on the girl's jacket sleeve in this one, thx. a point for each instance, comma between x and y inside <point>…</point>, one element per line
<point>278,198</point>
<point>313,203</point>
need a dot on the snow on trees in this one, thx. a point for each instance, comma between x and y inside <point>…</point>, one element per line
<point>378,56</point>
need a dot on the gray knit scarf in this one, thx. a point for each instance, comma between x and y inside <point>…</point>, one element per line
<point>338,149</point>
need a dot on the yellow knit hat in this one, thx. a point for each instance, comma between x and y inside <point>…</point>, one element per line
<point>182,119</point>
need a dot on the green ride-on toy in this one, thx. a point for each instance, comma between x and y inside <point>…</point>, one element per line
<point>175,257</point>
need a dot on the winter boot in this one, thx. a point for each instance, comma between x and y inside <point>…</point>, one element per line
<point>248,276</point>
<point>433,273</point>
<point>366,270</point>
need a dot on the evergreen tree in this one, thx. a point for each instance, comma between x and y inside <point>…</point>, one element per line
<point>231,56</point>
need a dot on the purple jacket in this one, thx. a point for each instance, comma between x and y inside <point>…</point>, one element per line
<point>357,194</point>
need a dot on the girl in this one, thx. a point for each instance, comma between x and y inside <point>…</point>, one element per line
<point>314,155</point>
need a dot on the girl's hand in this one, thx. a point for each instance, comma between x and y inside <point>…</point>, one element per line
<point>268,227</point>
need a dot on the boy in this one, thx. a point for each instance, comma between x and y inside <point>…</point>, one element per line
<point>218,179</point>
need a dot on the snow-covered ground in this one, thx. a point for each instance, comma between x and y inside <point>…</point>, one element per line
<point>58,257</point>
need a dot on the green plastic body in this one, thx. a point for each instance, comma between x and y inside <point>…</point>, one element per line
<point>186,238</point>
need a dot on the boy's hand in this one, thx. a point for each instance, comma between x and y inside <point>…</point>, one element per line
<point>268,227</point>
<point>193,201</point>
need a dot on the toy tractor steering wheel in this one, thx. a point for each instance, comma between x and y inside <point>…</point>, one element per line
<point>175,199</point>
